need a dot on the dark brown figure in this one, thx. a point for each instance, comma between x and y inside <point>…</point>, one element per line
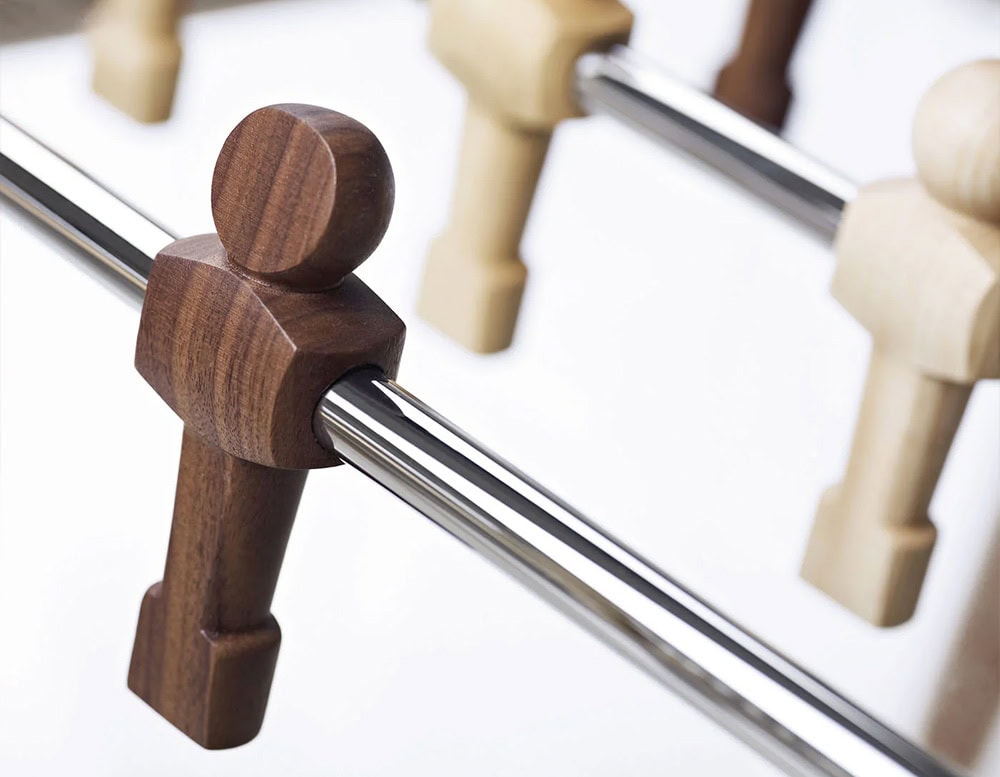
<point>241,333</point>
<point>755,82</point>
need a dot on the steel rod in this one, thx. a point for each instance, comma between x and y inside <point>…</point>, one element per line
<point>787,715</point>
<point>784,713</point>
<point>622,85</point>
<point>118,237</point>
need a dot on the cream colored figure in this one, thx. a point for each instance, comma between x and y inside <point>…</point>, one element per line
<point>917,265</point>
<point>137,55</point>
<point>516,59</point>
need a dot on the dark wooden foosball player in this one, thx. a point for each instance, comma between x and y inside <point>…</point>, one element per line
<point>240,333</point>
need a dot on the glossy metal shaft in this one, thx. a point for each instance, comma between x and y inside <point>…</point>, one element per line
<point>122,240</point>
<point>377,427</point>
<point>619,83</point>
<point>769,703</point>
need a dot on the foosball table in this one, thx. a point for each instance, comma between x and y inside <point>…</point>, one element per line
<point>771,391</point>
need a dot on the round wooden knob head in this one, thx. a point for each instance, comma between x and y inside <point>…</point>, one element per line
<point>956,139</point>
<point>301,195</point>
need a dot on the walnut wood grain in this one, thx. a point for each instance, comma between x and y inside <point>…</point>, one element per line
<point>517,60</point>
<point>329,184</point>
<point>755,81</point>
<point>244,363</point>
<point>207,627</point>
<point>240,335</point>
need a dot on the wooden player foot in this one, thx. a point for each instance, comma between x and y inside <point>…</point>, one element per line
<point>206,644</point>
<point>918,264</point>
<point>755,81</point>
<point>516,59</point>
<point>473,299</point>
<point>241,333</point>
<point>872,539</point>
<point>137,55</point>
<point>474,276</point>
<point>873,569</point>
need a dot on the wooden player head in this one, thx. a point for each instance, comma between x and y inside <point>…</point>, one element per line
<point>956,140</point>
<point>301,195</point>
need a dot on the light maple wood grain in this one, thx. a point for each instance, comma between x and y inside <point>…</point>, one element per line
<point>137,55</point>
<point>516,60</point>
<point>918,263</point>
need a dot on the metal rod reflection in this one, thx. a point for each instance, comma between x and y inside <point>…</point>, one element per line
<point>621,85</point>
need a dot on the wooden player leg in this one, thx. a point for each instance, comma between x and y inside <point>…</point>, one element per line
<point>474,275</point>
<point>137,55</point>
<point>873,537</point>
<point>206,644</point>
<point>516,59</point>
<point>918,265</point>
<point>755,81</point>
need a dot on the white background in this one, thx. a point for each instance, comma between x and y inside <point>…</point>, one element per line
<point>680,374</point>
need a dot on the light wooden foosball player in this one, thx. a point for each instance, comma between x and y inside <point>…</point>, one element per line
<point>240,333</point>
<point>917,266</point>
<point>516,60</point>
<point>137,55</point>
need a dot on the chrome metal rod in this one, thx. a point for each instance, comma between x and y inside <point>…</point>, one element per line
<point>376,426</point>
<point>622,85</point>
<point>121,239</point>
<point>783,712</point>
